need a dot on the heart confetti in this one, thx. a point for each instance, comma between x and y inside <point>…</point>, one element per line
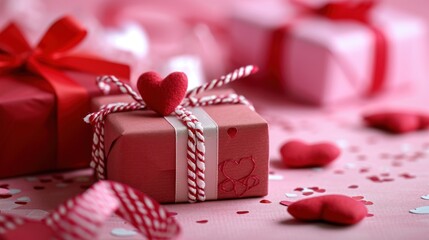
<point>397,122</point>
<point>425,197</point>
<point>337,209</point>
<point>162,96</point>
<point>297,154</point>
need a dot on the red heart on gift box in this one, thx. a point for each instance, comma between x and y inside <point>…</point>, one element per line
<point>238,169</point>
<point>337,209</point>
<point>162,95</point>
<point>397,122</point>
<point>297,154</point>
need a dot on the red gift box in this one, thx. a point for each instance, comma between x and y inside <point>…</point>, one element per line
<point>44,94</point>
<point>141,151</point>
<point>213,146</point>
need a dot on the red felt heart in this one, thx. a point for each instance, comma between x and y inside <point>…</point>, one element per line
<point>337,209</point>
<point>237,170</point>
<point>297,154</point>
<point>397,122</point>
<point>162,96</point>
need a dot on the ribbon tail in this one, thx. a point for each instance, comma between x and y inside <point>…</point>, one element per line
<point>94,65</point>
<point>72,106</point>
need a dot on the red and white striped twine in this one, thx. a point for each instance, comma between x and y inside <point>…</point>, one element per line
<point>83,216</point>
<point>195,148</point>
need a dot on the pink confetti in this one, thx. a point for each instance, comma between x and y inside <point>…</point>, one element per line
<point>299,189</point>
<point>286,203</point>
<point>265,201</point>
<point>364,170</point>
<point>370,215</point>
<point>170,214</point>
<point>338,171</point>
<point>385,174</point>
<point>353,186</point>
<point>320,190</point>
<point>5,195</point>
<point>242,212</point>
<point>202,221</point>
<point>358,197</point>
<point>307,193</point>
<point>407,176</point>
<point>374,178</point>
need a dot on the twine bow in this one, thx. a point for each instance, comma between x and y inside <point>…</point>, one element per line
<point>195,146</point>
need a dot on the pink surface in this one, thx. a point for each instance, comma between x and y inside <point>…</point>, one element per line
<point>366,153</point>
<point>401,161</point>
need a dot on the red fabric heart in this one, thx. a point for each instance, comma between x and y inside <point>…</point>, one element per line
<point>338,209</point>
<point>297,154</point>
<point>162,96</point>
<point>397,122</point>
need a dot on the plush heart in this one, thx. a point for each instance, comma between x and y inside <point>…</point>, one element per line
<point>297,154</point>
<point>338,209</point>
<point>162,96</point>
<point>397,122</point>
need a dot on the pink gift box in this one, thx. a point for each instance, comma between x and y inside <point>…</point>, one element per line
<point>324,61</point>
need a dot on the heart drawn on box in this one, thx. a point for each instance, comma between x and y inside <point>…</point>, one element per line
<point>238,174</point>
<point>162,95</point>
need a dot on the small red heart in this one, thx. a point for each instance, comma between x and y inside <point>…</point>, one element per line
<point>337,209</point>
<point>162,96</point>
<point>397,122</point>
<point>297,154</point>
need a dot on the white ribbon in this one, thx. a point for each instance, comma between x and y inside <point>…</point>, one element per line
<point>211,136</point>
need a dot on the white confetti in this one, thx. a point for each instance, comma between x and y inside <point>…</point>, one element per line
<point>61,185</point>
<point>307,190</point>
<point>14,191</point>
<point>291,195</point>
<point>121,232</point>
<point>425,197</point>
<point>275,177</point>
<point>350,165</point>
<point>420,210</point>
<point>31,179</point>
<point>24,199</point>
<point>342,143</point>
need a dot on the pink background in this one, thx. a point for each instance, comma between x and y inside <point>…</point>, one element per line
<point>365,153</point>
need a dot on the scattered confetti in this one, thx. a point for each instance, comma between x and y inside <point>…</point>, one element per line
<point>265,201</point>
<point>14,191</point>
<point>286,203</point>
<point>275,177</point>
<point>370,215</point>
<point>425,197</point>
<point>353,186</point>
<point>24,199</point>
<point>31,179</point>
<point>358,197</point>
<point>202,221</point>
<point>291,195</point>
<point>407,176</point>
<point>121,232</point>
<point>420,210</point>
<point>339,172</point>
<point>307,193</point>
<point>170,214</point>
<point>242,212</point>
<point>5,195</point>
<point>20,203</point>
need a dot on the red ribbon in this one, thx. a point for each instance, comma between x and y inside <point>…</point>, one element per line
<point>48,59</point>
<point>336,11</point>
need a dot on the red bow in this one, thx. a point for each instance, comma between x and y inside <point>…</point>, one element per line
<point>346,10</point>
<point>48,59</point>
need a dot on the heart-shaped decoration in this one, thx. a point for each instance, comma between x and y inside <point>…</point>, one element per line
<point>237,170</point>
<point>338,209</point>
<point>397,122</point>
<point>297,154</point>
<point>162,95</point>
